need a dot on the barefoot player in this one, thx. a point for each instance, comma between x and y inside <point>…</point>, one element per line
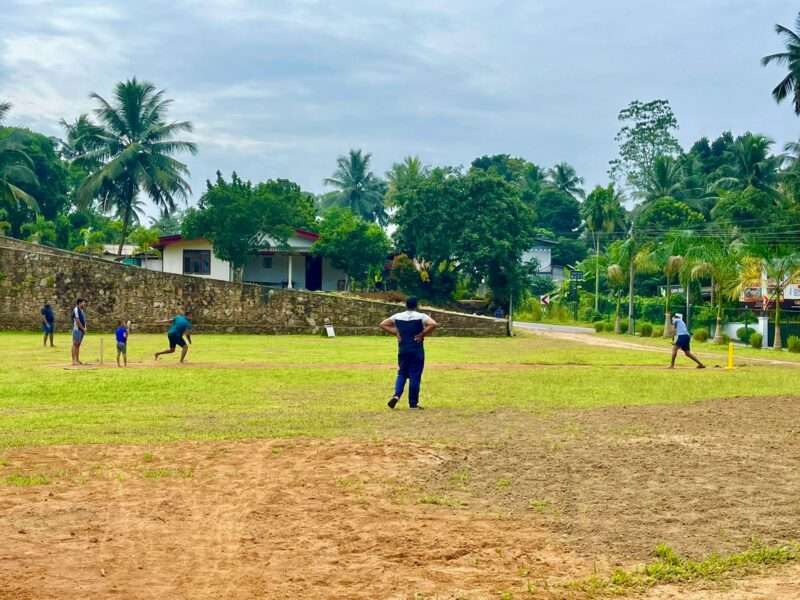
<point>682,341</point>
<point>181,325</point>
<point>411,328</point>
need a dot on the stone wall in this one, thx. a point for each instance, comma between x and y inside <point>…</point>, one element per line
<point>32,275</point>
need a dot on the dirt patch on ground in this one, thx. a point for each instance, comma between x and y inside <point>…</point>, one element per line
<point>615,482</point>
<point>547,500</point>
<point>253,520</point>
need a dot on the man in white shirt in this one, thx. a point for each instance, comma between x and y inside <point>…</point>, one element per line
<point>682,341</point>
<point>411,328</point>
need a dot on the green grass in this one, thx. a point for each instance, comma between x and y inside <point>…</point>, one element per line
<point>239,386</point>
<point>23,480</point>
<point>669,567</point>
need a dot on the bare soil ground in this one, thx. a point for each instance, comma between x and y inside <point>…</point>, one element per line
<point>548,500</point>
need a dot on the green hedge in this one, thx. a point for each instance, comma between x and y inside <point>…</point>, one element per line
<point>701,335</point>
<point>756,340</point>
<point>646,330</point>
<point>793,343</point>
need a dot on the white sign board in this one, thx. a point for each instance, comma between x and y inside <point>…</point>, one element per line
<point>329,331</point>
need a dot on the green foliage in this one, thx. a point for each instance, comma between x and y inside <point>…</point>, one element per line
<point>665,213</point>
<point>610,326</point>
<point>40,231</point>
<point>557,211</point>
<point>793,343</point>
<point>756,340</point>
<point>646,330</point>
<point>240,218</point>
<point>564,178</point>
<point>351,243</point>
<point>134,146</point>
<point>724,340</point>
<point>744,334</point>
<point>623,327</point>
<point>747,208</point>
<point>658,332</point>
<point>599,326</point>
<point>404,176</point>
<point>646,134</point>
<point>530,309</point>
<point>790,82</point>
<point>700,334</point>
<point>357,188</point>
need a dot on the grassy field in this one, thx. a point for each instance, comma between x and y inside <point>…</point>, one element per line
<point>543,468</point>
<point>262,387</point>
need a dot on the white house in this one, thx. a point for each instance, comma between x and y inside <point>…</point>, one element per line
<point>292,267</point>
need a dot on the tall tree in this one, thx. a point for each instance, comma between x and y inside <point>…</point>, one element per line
<point>16,172</point>
<point>646,133</point>
<point>136,149</point>
<point>749,164</point>
<point>790,57</point>
<point>664,179</point>
<point>357,188</point>
<point>564,177</point>
<point>403,175</point>
<point>718,259</point>
<point>602,213</point>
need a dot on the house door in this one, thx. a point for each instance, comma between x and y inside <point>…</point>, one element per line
<point>313,273</point>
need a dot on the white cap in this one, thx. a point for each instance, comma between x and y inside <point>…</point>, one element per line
<point>679,315</point>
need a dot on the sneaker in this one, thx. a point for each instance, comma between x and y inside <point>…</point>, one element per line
<point>701,366</point>
<point>417,407</point>
<point>393,402</point>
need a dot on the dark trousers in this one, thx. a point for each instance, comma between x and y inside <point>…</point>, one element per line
<point>410,366</point>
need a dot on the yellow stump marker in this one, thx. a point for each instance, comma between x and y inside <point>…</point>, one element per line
<point>730,356</point>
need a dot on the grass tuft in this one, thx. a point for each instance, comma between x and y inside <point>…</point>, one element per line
<point>670,567</point>
<point>22,480</point>
<point>167,472</point>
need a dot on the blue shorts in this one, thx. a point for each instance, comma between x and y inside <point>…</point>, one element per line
<point>683,342</point>
<point>77,336</point>
<point>48,327</point>
<point>176,339</point>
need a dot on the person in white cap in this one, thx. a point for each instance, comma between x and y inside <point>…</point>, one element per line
<point>682,341</point>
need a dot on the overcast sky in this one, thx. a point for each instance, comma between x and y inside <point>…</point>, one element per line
<point>281,88</point>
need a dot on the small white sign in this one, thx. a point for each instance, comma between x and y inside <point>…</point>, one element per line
<point>329,331</point>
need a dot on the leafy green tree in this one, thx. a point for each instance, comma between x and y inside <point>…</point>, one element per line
<point>616,282</point>
<point>5,225</point>
<point>557,212</point>
<point>41,231</point>
<point>564,178</point>
<point>145,239</point>
<point>237,216</point>
<point>602,214</point>
<point>646,133</point>
<point>749,164</point>
<point>92,241</point>
<point>664,214</point>
<point>136,148</point>
<point>665,178</point>
<point>634,255</point>
<point>744,209</point>
<point>357,188</point>
<point>170,224</point>
<point>404,175</point>
<point>790,84</point>
<point>352,244</point>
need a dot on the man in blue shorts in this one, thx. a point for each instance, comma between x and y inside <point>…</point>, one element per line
<point>181,325</point>
<point>48,323</point>
<point>411,328</point>
<point>78,330</point>
<point>682,341</point>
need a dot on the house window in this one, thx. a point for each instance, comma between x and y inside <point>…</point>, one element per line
<point>267,262</point>
<point>197,262</point>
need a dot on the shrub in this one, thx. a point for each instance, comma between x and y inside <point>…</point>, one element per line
<point>646,330</point>
<point>756,340</point>
<point>623,327</point>
<point>744,333</point>
<point>610,326</point>
<point>701,335</point>
<point>658,332</point>
<point>793,343</point>
<point>599,326</point>
<point>726,339</point>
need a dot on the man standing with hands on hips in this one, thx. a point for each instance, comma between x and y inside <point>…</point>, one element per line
<point>411,328</point>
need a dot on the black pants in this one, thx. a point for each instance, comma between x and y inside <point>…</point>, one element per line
<point>410,366</point>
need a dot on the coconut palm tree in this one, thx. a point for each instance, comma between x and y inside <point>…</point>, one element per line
<point>403,176</point>
<point>751,164</point>
<point>664,179</point>
<point>357,188</point>
<point>790,84</point>
<point>636,255</point>
<point>781,265</point>
<point>16,169</point>
<point>135,150</point>
<point>602,213</point>
<point>40,231</point>
<point>718,259</point>
<point>564,177</point>
<point>616,281</point>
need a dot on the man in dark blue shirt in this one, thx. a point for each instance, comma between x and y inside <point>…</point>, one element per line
<point>411,328</point>
<point>48,323</point>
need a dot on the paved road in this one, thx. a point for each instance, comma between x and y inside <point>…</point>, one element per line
<point>554,328</point>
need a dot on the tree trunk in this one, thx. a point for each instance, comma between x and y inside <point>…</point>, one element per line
<point>631,276</point>
<point>718,332</point>
<point>667,321</point>
<point>126,218</point>
<point>596,273</point>
<point>777,343</point>
<point>616,315</point>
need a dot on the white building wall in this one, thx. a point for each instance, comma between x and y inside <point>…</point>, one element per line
<point>542,255</point>
<point>172,256</point>
<point>278,275</point>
